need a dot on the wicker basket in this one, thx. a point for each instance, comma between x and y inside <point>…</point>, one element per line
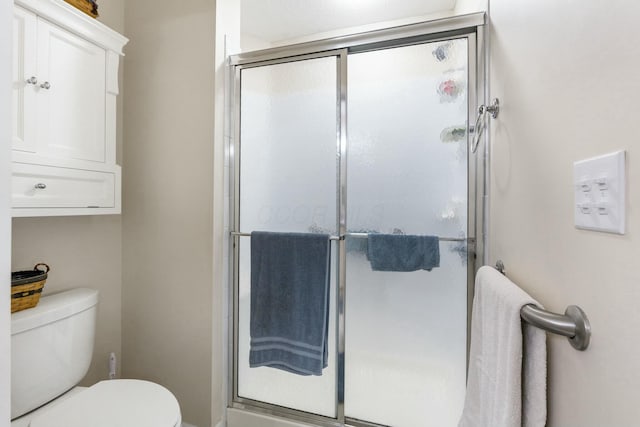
<point>86,6</point>
<point>26,287</point>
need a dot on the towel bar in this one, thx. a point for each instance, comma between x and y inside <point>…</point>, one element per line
<point>364,235</point>
<point>573,324</point>
<point>240,234</point>
<point>443,239</point>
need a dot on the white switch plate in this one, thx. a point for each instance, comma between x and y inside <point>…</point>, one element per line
<point>600,188</point>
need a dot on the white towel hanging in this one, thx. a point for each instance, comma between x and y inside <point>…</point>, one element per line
<point>508,360</point>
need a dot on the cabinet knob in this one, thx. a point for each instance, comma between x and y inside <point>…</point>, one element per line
<point>40,186</point>
<point>46,85</point>
<point>33,80</point>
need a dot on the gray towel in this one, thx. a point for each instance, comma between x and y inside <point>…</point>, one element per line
<point>290,301</point>
<point>399,252</point>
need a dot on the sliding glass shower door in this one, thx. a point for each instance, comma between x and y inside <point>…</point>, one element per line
<point>360,140</point>
<point>406,332</point>
<point>287,184</point>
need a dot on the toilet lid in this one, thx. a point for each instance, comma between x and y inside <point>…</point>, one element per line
<point>115,403</point>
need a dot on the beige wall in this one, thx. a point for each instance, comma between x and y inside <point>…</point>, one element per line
<point>82,251</point>
<point>112,14</point>
<point>566,73</point>
<point>167,205</point>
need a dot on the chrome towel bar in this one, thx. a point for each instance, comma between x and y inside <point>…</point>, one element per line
<point>364,235</point>
<point>574,324</point>
<point>240,234</point>
<point>443,239</point>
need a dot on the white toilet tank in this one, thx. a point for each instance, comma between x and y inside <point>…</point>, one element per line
<point>51,347</point>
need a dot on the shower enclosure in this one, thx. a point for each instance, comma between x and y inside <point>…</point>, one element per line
<point>363,134</point>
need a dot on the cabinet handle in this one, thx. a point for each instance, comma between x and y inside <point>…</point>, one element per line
<point>46,85</point>
<point>40,186</point>
<point>33,80</point>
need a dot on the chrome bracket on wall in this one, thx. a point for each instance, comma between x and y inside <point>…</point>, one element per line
<point>573,324</point>
<point>481,121</point>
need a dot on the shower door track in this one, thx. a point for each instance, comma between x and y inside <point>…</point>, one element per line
<point>472,27</point>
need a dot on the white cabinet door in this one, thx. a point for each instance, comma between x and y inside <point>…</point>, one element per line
<point>24,85</point>
<point>64,88</point>
<point>71,95</point>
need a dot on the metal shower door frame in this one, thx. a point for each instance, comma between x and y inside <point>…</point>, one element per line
<point>470,27</point>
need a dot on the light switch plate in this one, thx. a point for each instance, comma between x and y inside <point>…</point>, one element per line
<point>600,189</point>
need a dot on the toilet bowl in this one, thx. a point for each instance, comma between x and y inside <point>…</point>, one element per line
<point>52,346</point>
<point>108,404</point>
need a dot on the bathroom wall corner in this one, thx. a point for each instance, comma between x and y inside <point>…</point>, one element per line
<point>227,41</point>
<point>168,288</point>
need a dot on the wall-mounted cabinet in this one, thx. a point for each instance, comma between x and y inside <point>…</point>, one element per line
<point>65,83</point>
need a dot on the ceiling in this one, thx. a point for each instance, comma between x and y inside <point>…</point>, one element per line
<point>276,20</point>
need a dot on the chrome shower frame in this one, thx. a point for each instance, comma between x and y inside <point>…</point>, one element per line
<point>473,28</point>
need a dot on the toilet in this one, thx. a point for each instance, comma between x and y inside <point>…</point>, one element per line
<point>51,350</point>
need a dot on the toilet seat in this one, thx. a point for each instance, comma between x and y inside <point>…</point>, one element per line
<point>115,403</point>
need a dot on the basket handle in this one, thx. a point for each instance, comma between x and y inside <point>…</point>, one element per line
<point>45,266</point>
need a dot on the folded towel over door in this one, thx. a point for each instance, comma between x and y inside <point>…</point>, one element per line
<point>290,301</point>
<point>401,252</point>
<point>506,385</point>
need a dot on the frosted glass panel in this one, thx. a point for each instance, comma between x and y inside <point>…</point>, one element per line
<point>407,166</point>
<point>288,183</point>
<point>406,333</point>
<point>288,147</point>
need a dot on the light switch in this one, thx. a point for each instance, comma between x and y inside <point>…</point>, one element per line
<point>585,186</point>
<point>600,188</point>
<point>602,184</point>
